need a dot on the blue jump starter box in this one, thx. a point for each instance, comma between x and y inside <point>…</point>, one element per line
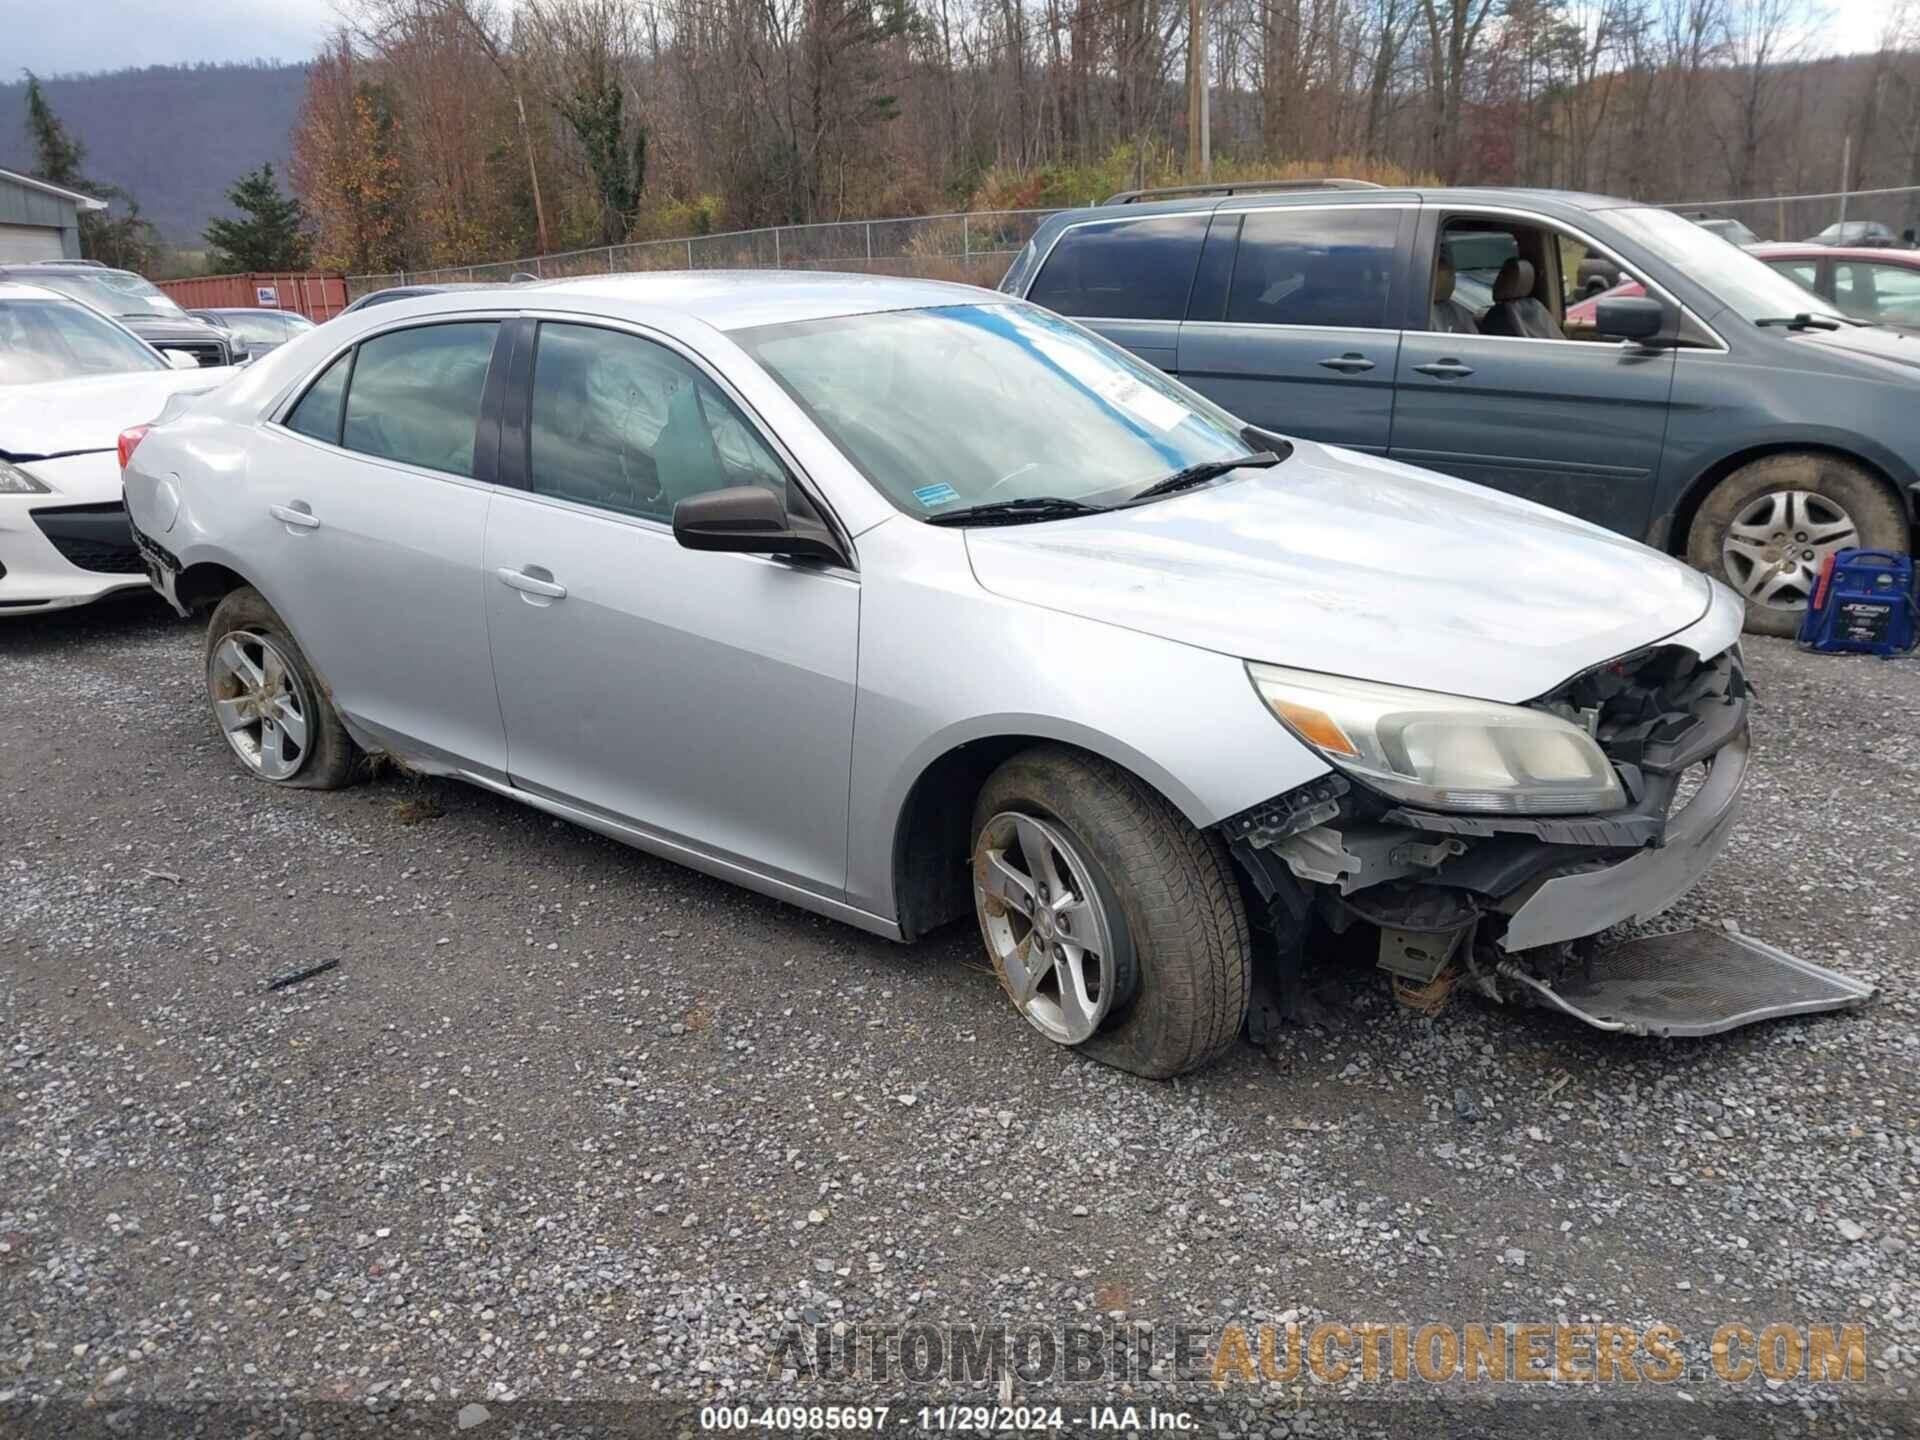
<point>1863,605</point>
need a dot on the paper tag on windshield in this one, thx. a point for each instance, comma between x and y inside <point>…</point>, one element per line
<point>1142,402</point>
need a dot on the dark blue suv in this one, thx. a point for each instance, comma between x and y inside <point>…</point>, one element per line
<point>1727,415</point>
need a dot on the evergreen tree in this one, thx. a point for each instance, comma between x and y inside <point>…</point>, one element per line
<point>57,156</point>
<point>126,241</point>
<point>270,236</point>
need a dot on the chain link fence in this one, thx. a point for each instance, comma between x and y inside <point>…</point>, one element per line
<point>974,248</point>
<point>977,247</point>
<point>1868,216</point>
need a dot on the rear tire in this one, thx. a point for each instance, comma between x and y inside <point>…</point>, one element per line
<point>269,703</point>
<point>1767,528</point>
<point>1178,962</point>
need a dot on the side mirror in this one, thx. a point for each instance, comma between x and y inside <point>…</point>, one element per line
<point>1630,317</point>
<point>181,360</point>
<point>751,520</point>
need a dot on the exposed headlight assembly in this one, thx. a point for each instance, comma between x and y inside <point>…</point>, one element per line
<point>15,481</point>
<point>1443,752</point>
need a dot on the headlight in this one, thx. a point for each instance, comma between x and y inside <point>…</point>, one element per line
<point>15,481</point>
<point>1444,752</point>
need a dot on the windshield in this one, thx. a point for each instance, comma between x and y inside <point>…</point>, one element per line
<point>113,292</point>
<point>264,329</point>
<point>57,340</point>
<point>1748,288</point>
<point>973,404</point>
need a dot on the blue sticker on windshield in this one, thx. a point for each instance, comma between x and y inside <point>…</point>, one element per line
<point>932,495</point>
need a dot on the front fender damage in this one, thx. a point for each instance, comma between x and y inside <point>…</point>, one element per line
<point>1518,907</point>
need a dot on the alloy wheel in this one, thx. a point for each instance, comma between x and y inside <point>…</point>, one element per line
<point>1775,547</point>
<point>262,705</point>
<point>1045,926</point>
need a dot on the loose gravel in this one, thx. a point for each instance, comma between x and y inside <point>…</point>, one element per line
<point>567,1123</point>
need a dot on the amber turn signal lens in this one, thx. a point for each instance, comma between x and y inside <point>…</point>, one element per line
<point>1316,727</point>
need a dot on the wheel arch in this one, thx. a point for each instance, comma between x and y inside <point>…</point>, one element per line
<point>1670,530</point>
<point>202,586</point>
<point>933,820</point>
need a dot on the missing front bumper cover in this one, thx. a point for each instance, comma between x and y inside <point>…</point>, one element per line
<point>1690,982</point>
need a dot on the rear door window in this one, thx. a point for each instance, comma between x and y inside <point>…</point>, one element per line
<point>1123,269</point>
<point>415,395</point>
<point>318,413</point>
<point>1330,267</point>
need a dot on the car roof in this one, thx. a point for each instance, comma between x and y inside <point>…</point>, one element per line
<point>36,267</point>
<point>738,299</point>
<point>1807,250</point>
<point>1267,199</point>
<point>11,289</point>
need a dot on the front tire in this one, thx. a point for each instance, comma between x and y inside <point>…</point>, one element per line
<point>269,703</point>
<point>1768,528</point>
<point>1114,925</point>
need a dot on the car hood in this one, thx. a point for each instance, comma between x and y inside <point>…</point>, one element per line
<point>1350,565</point>
<point>1876,345</point>
<point>66,417</point>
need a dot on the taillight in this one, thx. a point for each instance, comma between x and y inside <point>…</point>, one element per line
<point>130,441</point>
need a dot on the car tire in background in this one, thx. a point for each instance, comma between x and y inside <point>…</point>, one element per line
<point>1767,529</point>
<point>1139,906</point>
<point>270,706</point>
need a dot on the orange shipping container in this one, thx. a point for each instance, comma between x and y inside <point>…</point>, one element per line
<point>315,294</point>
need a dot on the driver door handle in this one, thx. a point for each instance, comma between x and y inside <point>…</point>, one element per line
<point>530,584</point>
<point>1445,369</point>
<point>296,514</point>
<point>1351,363</point>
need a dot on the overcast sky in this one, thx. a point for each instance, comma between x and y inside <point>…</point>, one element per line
<point>56,36</point>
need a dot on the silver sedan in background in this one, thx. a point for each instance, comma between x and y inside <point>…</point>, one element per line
<point>902,601</point>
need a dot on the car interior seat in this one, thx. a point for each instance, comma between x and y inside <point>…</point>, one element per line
<point>1449,315</point>
<point>1515,310</point>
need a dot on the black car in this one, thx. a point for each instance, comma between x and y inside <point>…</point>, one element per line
<point>137,304</point>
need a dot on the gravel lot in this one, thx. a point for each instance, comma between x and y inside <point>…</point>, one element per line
<point>568,1123</point>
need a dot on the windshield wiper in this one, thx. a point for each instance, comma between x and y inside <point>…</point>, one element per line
<point>1016,512</point>
<point>1802,321</point>
<point>1199,474</point>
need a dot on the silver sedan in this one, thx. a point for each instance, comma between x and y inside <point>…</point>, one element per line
<point>904,602</point>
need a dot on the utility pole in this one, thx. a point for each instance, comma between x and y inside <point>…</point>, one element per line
<point>1199,108</point>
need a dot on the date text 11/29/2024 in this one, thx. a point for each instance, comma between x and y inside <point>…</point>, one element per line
<point>943,1419</point>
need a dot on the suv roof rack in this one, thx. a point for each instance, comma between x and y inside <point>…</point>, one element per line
<point>1236,187</point>
<point>86,264</point>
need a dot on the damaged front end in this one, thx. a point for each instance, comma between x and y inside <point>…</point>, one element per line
<point>1513,904</point>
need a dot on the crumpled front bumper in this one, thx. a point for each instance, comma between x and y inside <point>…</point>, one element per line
<point>1572,906</point>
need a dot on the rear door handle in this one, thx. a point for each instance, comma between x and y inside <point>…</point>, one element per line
<point>1351,363</point>
<point>299,515</point>
<point>1445,369</point>
<point>531,584</point>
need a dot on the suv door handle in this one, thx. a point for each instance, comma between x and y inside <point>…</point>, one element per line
<point>299,515</point>
<point>530,584</point>
<point>1445,369</point>
<point>1351,363</point>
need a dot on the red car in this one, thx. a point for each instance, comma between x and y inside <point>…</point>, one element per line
<point>1875,284</point>
<point>1879,285</point>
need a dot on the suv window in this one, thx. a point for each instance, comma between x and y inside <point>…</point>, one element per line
<point>1123,269</point>
<point>415,395</point>
<point>625,424</point>
<point>1329,267</point>
<point>318,413</point>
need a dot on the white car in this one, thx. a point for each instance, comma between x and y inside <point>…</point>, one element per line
<point>70,381</point>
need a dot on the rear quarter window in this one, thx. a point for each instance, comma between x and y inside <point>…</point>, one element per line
<point>1123,269</point>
